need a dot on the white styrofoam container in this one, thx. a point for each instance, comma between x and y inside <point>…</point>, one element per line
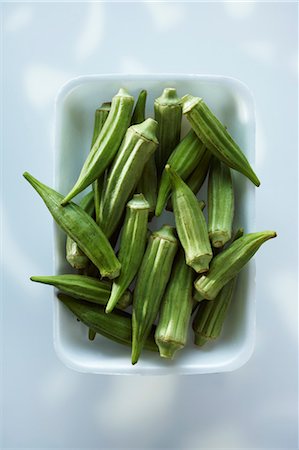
<point>232,103</point>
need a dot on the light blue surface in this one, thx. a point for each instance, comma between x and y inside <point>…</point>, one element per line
<point>46,405</point>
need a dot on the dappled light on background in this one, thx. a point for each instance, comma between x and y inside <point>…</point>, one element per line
<point>281,298</point>
<point>261,146</point>
<point>92,31</point>
<point>19,18</point>
<point>214,435</point>
<point>42,82</point>
<point>16,257</point>
<point>129,64</point>
<point>239,10</point>
<point>166,16</point>
<point>47,405</point>
<point>56,388</point>
<point>294,64</point>
<point>264,52</point>
<point>147,399</point>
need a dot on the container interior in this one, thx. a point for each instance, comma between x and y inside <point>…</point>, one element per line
<point>232,103</point>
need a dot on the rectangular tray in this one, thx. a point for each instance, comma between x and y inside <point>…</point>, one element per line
<point>232,103</point>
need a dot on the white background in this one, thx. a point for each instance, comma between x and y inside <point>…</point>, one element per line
<point>46,405</point>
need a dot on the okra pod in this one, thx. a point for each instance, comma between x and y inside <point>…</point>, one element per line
<point>91,334</point>
<point>107,143</point>
<point>210,315</point>
<point>183,160</point>
<point>115,326</point>
<point>74,255</point>
<point>138,115</point>
<point>151,282</point>
<point>132,246</point>
<point>227,264</point>
<point>209,318</point>
<point>176,308</point>
<point>199,174</point>
<point>168,114</point>
<point>80,227</point>
<point>191,224</point>
<point>147,184</point>
<point>216,137</point>
<point>220,203</point>
<point>85,288</point>
<point>101,115</point>
<point>139,144</point>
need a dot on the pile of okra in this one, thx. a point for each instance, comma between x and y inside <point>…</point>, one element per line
<point>171,278</point>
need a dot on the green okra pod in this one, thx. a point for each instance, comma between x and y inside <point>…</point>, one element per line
<point>91,334</point>
<point>138,115</point>
<point>106,144</point>
<point>85,288</point>
<point>215,136</point>
<point>191,224</point>
<point>74,255</point>
<point>227,264</point>
<point>115,326</point>
<point>151,282</point>
<point>238,233</point>
<point>220,203</point>
<point>80,227</point>
<point>101,115</point>
<point>210,316</point>
<point>183,160</point>
<point>168,114</point>
<point>132,246</point>
<point>199,174</point>
<point>147,184</point>
<point>172,329</point>
<point>139,144</point>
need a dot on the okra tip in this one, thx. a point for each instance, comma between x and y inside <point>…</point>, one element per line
<point>30,178</point>
<point>200,340</point>
<point>136,351</point>
<point>219,238</point>
<point>172,173</point>
<point>200,264</point>
<point>168,349</point>
<point>91,334</point>
<point>252,176</point>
